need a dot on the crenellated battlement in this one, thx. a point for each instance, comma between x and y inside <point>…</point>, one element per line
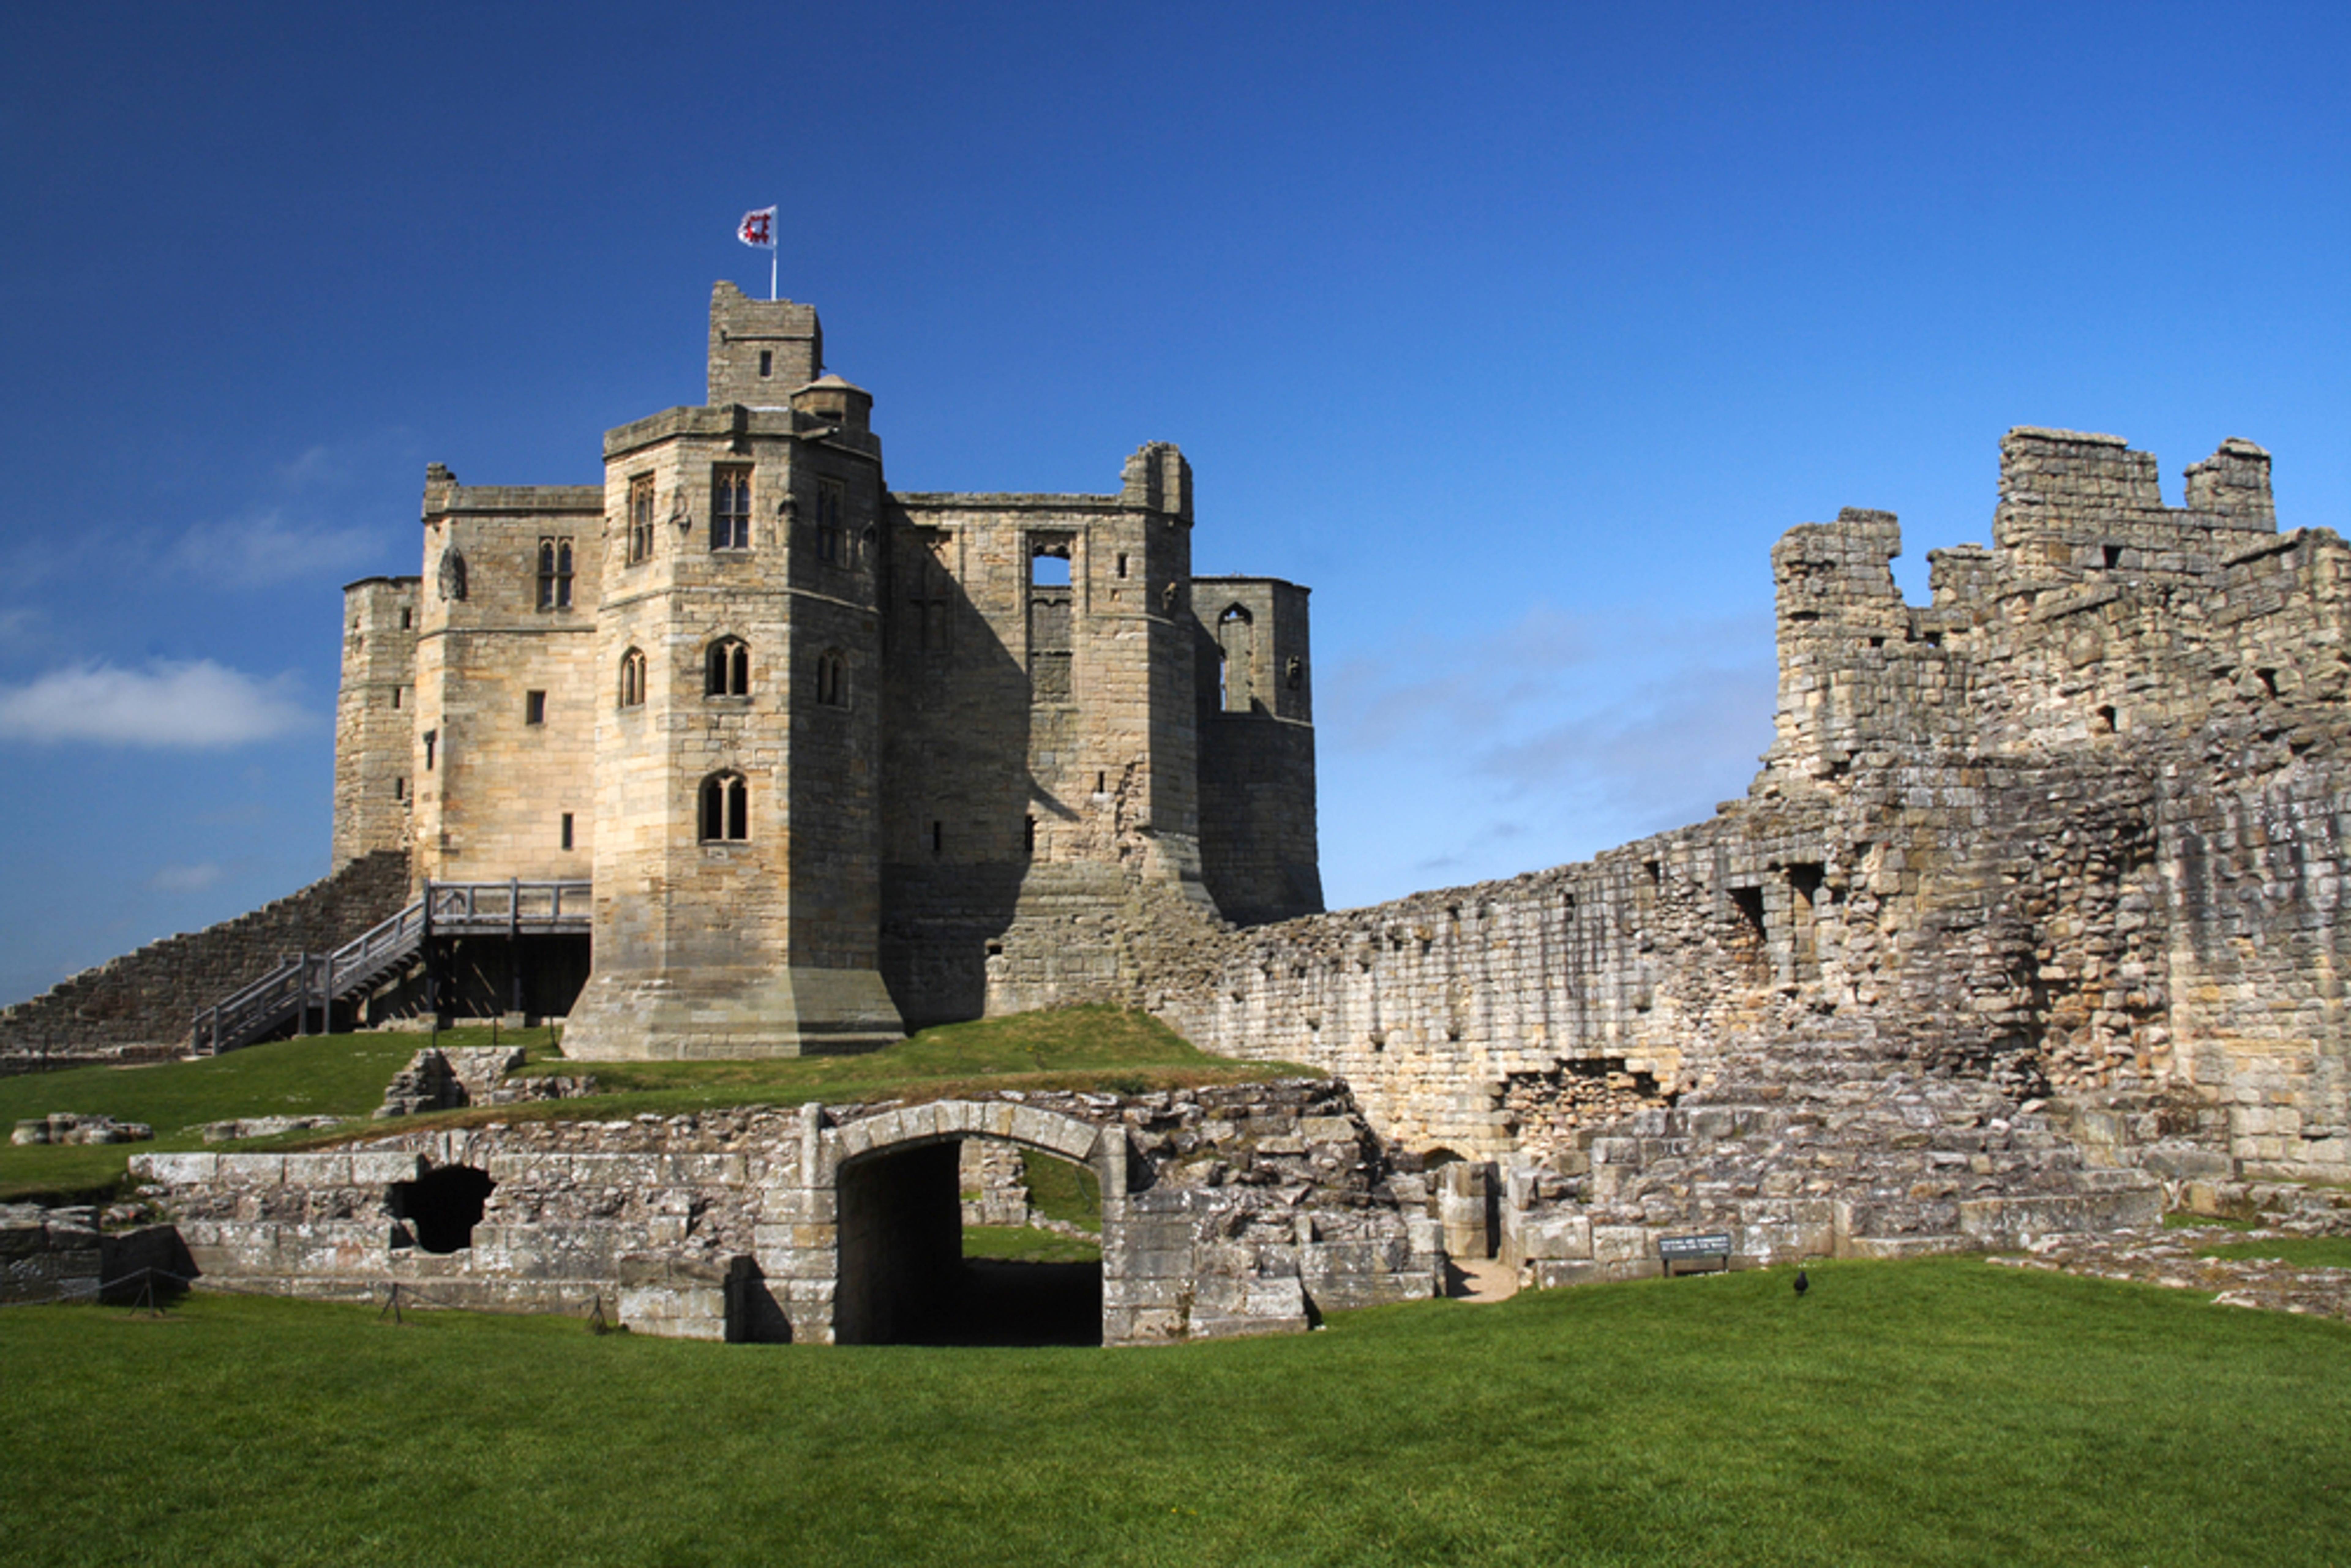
<point>2098,609</point>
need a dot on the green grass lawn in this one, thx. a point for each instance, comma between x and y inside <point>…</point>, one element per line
<point>2303,1251</point>
<point>345,1074</point>
<point>1924,1412</point>
<point>328,1075</point>
<point>1059,1047</point>
<point>1026,1245</point>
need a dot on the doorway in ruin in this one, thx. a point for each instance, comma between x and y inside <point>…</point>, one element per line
<point>913,1271</point>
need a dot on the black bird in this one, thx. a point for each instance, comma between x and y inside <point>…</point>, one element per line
<point>1802,1284</point>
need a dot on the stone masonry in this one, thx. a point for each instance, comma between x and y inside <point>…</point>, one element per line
<point>819,744</point>
<point>1248,1208</point>
<point>144,998</point>
<point>2074,830</point>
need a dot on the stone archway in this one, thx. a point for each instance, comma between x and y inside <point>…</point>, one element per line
<point>900,1273</point>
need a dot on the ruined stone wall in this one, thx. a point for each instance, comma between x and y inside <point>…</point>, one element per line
<point>148,996</point>
<point>1245,1208</point>
<point>1040,748</point>
<point>2073,828</point>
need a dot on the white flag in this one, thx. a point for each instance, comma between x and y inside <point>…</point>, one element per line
<point>758,228</point>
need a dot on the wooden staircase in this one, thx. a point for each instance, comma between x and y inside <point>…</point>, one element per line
<point>304,985</point>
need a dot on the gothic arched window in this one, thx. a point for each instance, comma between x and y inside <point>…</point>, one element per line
<point>633,678</point>
<point>726,669</point>
<point>832,678</point>
<point>726,809</point>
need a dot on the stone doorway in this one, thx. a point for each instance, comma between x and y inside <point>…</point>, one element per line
<point>908,1278</point>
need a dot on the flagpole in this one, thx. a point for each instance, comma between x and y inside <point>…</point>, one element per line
<point>771,265</point>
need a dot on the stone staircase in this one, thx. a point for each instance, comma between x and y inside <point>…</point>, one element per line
<point>1813,1148</point>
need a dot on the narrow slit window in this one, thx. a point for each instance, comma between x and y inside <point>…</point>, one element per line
<point>640,519</point>
<point>566,829</point>
<point>939,838</point>
<point>767,363</point>
<point>396,696</point>
<point>534,707</point>
<point>831,502</point>
<point>1028,836</point>
<point>432,740</point>
<point>399,789</point>
<point>407,618</point>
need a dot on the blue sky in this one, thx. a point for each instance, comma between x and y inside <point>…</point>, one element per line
<point>1520,333</point>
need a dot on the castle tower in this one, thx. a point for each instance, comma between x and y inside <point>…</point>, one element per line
<point>374,716</point>
<point>738,650</point>
<point>1254,698</point>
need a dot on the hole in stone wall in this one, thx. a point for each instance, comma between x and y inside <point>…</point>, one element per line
<point>443,1205</point>
<point>938,836</point>
<point>2114,557</point>
<point>2268,681</point>
<point>407,618</point>
<point>2106,721</point>
<point>1804,888</point>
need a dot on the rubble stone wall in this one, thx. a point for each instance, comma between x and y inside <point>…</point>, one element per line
<point>148,996</point>
<point>1248,1208</point>
<point>2075,827</point>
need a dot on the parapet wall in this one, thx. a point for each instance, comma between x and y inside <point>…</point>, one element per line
<point>147,998</point>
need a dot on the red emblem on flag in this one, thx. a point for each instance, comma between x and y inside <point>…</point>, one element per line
<point>758,228</point>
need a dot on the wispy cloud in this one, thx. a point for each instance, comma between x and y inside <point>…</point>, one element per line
<point>168,705</point>
<point>268,546</point>
<point>1558,728</point>
<point>185,878</point>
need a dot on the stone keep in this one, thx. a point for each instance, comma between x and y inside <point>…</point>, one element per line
<point>818,745</point>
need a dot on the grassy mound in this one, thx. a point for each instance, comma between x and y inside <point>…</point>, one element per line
<point>1058,1048</point>
<point>1925,1413</point>
<point>328,1075</point>
<point>345,1075</point>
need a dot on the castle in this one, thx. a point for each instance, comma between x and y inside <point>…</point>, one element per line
<point>839,762</point>
<point>814,742</point>
<point>2029,925</point>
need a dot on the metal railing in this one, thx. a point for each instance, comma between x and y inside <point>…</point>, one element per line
<point>302,981</point>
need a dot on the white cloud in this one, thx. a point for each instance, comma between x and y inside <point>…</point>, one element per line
<point>197,705</point>
<point>185,878</point>
<point>266,548</point>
